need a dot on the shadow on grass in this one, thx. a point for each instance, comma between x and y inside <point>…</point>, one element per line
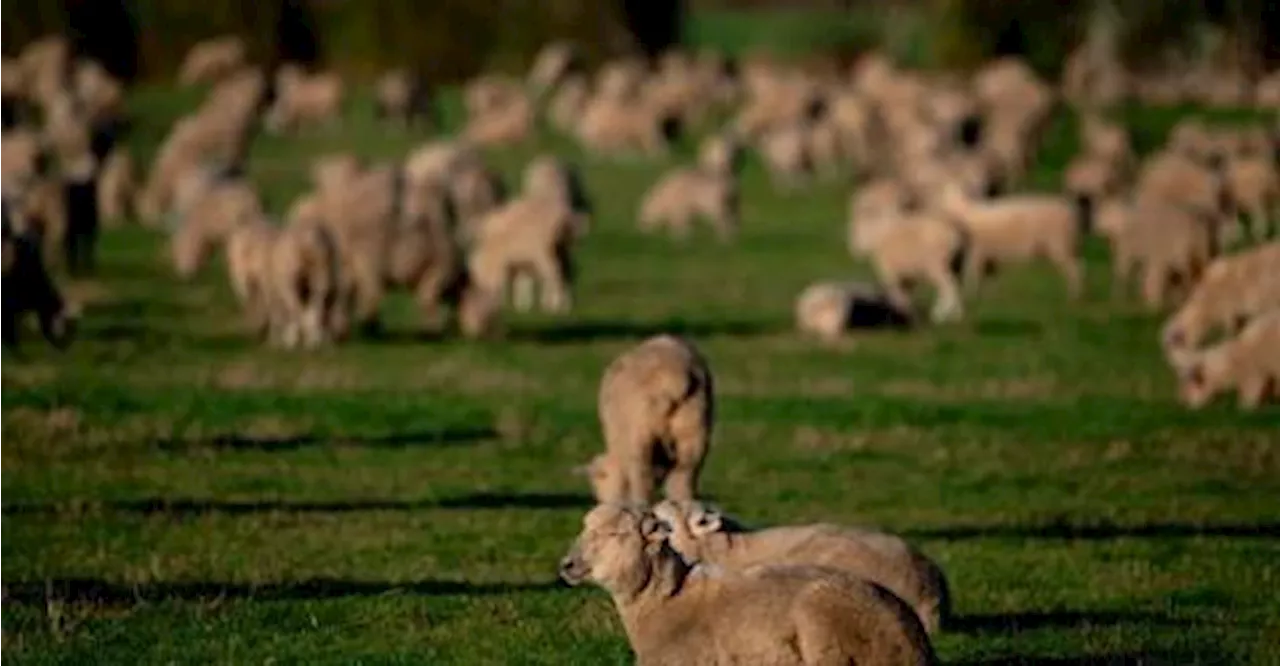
<point>100,592</point>
<point>1098,531</point>
<point>1144,658</point>
<point>186,507</point>
<point>235,442</point>
<point>1061,619</point>
<point>569,332</point>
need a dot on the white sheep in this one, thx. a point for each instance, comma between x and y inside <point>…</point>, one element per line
<point>684,194</point>
<point>829,310</point>
<point>1248,363</point>
<point>1233,289</point>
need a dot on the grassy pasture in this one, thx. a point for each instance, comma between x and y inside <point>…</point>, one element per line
<point>175,494</point>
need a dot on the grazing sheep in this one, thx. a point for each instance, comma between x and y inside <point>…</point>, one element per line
<point>1017,229</point>
<point>780,615</point>
<point>657,409</point>
<point>436,161</point>
<point>529,235</point>
<point>304,99</point>
<point>403,96</point>
<point>1169,243</point>
<point>610,126</point>
<point>703,535</point>
<point>687,193</point>
<point>1090,180</point>
<point>1233,289</point>
<point>28,288</point>
<point>212,59</point>
<point>1248,363</point>
<point>304,284</point>
<point>117,186</point>
<point>828,310</point>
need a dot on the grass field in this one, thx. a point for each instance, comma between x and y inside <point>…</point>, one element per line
<point>175,494</point>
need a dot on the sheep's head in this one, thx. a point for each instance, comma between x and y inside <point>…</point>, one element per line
<point>618,549</point>
<point>690,523</point>
<point>1112,215</point>
<point>1198,374</point>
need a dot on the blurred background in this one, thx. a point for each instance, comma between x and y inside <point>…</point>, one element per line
<point>451,40</point>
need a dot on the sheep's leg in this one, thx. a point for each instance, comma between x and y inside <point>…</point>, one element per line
<point>429,291</point>
<point>638,473</point>
<point>1072,272</point>
<point>691,430</point>
<point>523,287</point>
<point>555,291</point>
<point>1252,391</point>
<point>1154,279</point>
<point>975,264</point>
<point>948,304</point>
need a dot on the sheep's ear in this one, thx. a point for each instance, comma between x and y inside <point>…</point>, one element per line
<point>653,528</point>
<point>706,521</point>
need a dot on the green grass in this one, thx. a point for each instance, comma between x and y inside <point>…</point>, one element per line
<point>175,494</point>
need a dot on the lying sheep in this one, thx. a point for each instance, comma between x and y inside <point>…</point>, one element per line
<point>1168,243</point>
<point>530,235</point>
<point>304,99</point>
<point>1248,363</point>
<point>211,59</point>
<point>779,615</point>
<point>828,310</point>
<point>28,288</point>
<point>1017,229</point>
<point>703,535</point>
<point>687,193</point>
<point>1233,289</point>
<point>403,96</point>
<point>657,409</point>
<point>904,247</point>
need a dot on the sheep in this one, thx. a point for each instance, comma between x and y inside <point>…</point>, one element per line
<point>303,98</point>
<point>685,193</point>
<point>549,176</point>
<point>212,59</point>
<point>333,170</point>
<point>675,613</point>
<point>702,534</point>
<point>786,155</point>
<point>828,310</point>
<point>40,213</point>
<point>529,234</point>
<point>436,161</point>
<point>567,103</point>
<point>304,284</point>
<point>556,61</point>
<point>28,288</point>
<point>1091,179</point>
<point>721,153</point>
<point>905,246</point>
<point>1233,289</point>
<point>117,186</point>
<point>1017,229</point>
<point>656,405</point>
<point>474,190</point>
<point>1166,241</point>
<point>24,157</point>
<point>207,221</point>
<point>1254,187</point>
<point>490,92</point>
<point>609,126</point>
<point>248,258</point>
<point>403,96</point>
<point>508,124</point>
<point>214,138</point>
<point>1248,363</point>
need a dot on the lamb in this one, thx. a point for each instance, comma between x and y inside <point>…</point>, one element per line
<point>781,615</point>
<point>303,99</point>
<point>828,310</point>
<point>1248,363</point>
<point>212,59</point>
<point>28,288</point>
<point>1167,242</point>
<point>528,234</point>
<point>117,186</point>
<point>206,223</point>
<point>685,193</point>
<point>785,152</point>
<point>1233,289</point>
<point>657,410</point>
<point>907,246</point>
<point>1017,229</point>
<point>402,96</point>
<point>701,534</point>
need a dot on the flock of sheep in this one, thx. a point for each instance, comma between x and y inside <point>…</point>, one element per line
<point>939,162</point>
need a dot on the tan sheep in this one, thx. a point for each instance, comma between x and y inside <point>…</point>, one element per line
<point>567,104</point>
<point>507,124</point>
<point>474,191</point>
<point>610,126</point>
<point>656,405</point>
<point>1254,187</point>
<point>527,235</point>
<point>785,152</point>
<point>556,61</point>
<point>1170,177</point>
<point>490,92</point>
<point>333,170</point>
<point>1248,363</point>
<point>248,262</point>
<point>117,186</point>
<point>208,221</point>
<point>212,59</point>
<point>686,193</point>
<point>721,153</point>
<point>780,615</point>
<point>1233,289</point>
<point>1168,243</point>
<point>436,161</point>
<point>904,247</point>
<point>829,310</point>
<point>701,534</point>
<point>304,287</point>
<point>1018,229</point>
<point>549,176</point>
<point>402,96</point>
<point>303,99</point>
